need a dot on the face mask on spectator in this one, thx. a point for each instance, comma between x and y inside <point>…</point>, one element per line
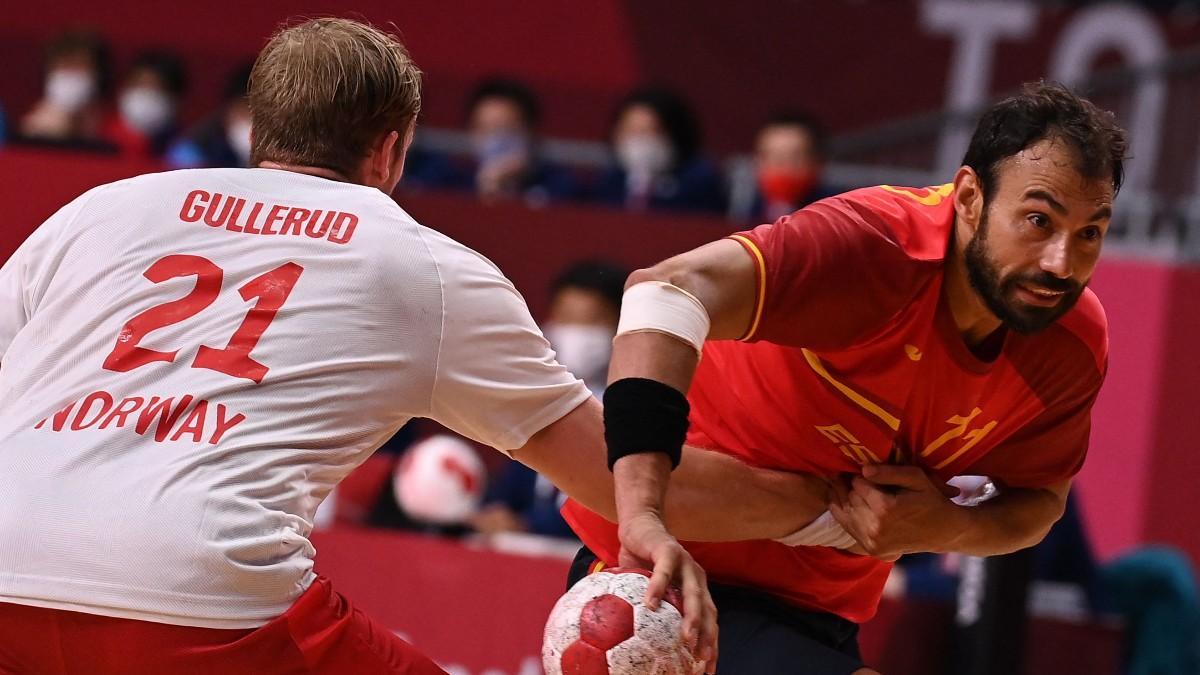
<point>583,349</point>
<point>500,145</point>
<point>238,136</point>
<point>70,90</point>
<point>786,186</point>
<point>644,154</point>
<point>147,110</point>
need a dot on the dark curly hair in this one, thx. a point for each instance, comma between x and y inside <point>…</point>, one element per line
<point>1048,110</point>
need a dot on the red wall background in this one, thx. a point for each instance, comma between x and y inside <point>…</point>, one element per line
<point>739,64</point>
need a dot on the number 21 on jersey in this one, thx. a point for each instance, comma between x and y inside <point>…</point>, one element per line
<point>269,290</point>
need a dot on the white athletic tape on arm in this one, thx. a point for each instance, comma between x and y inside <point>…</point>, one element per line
<point>824,531</point>
<point>659,307</point>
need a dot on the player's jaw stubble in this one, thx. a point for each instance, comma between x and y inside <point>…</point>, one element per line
<point>1000,294</point>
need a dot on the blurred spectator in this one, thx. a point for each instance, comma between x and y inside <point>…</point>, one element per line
<point>502,119</point>
<point>789,159</point>
<point>505,162</point>
<point>70,113</point>
<point>1154,588</point>
<point>584,307</point>
<point>223,138</point>
<point>585,304</point>
<point>656,144</point>
<point>148,105</point>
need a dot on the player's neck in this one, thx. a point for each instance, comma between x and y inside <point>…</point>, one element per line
<point>320,172</point>
<point>975,322</point>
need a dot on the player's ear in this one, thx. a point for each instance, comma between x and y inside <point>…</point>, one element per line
<point>968,197</point>
<point>385,156</point>
<point>401,150</point>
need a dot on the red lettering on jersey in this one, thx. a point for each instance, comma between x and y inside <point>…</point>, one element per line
<point>318,231</point>
<point>193,206</point>
<point>225,211</point>
<point>194,424</point>
<point>343,228</point>
<point>254,211</point>
<point>161,408</point>
<point>238,205</point>
<point>212,217</point>
<point>224,424</point>
<point>295,218</point>
<point>164,412</point>
<point>292,226</point>
<point>274,214</point>
<point>60,418</point>
<point>123,410</point>
<point>84,408</point>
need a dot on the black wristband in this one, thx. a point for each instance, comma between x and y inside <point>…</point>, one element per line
<point>643,415</point>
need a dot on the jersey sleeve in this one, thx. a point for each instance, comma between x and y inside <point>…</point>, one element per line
<point>496,380</point>
<point>830,274</point>
<point>1048,450</point>
<point>25,274</point>
<point>1068,374</point>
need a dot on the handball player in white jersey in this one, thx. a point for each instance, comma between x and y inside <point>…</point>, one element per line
<point>190,361</point>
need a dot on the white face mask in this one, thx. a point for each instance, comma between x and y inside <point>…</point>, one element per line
<point>147,110</point>
<point>70,90</point>
<point>583,349</point>
<point>238,136</point>
<point>644,154</point>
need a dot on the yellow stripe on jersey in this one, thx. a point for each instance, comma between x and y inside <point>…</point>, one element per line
<point>761,265</point>
<point>937,194</point>
<point>862,401</point>
<point>597,566</point>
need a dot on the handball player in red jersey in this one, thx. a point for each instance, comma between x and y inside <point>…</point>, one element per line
<point>887,340</point>
<point>193,359</point>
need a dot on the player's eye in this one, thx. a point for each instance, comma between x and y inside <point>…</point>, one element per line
<point>1092,233</point>
<point>1039,220</point>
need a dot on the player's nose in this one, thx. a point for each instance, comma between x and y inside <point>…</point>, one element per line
<point>1056,257</point>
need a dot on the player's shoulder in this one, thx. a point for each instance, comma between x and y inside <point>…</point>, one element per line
<point>156,180</point>
<point>455,259</point>
<point>917,220</point>
<point>1069,358</point>
<point>1088,325</point>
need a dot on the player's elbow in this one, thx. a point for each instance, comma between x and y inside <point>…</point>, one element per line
<point>671,271</point>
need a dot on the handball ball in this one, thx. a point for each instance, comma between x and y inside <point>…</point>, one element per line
<point>440,480</point>
<point>601,627</point>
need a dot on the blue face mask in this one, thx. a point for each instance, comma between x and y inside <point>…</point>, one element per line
<point>500,145</point>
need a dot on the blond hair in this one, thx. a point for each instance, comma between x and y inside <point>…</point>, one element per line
<point>322,91</point>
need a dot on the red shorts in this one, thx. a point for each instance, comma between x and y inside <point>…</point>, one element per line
<point>321,633</point>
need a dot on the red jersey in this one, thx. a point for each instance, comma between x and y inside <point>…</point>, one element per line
<point>852,358</point>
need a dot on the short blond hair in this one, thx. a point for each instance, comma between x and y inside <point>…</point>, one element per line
<point>322,91</point>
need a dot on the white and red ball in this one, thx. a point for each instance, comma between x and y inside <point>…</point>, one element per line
<point>601,627</point>
<point>440,480</point>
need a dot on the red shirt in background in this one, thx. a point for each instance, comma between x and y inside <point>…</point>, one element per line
<point>853,357</point>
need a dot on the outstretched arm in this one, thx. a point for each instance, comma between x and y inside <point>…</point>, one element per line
<point>712,496</point>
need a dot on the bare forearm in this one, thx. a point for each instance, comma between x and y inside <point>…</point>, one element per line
<point>715,497</point>
<point>640,484</point>
<point>1017,519</point>
<point>712,497</point>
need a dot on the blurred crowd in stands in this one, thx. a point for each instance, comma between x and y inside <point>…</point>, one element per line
<point>655,156</point>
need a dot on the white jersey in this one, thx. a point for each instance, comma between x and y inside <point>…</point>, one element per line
<point>191,360</point>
